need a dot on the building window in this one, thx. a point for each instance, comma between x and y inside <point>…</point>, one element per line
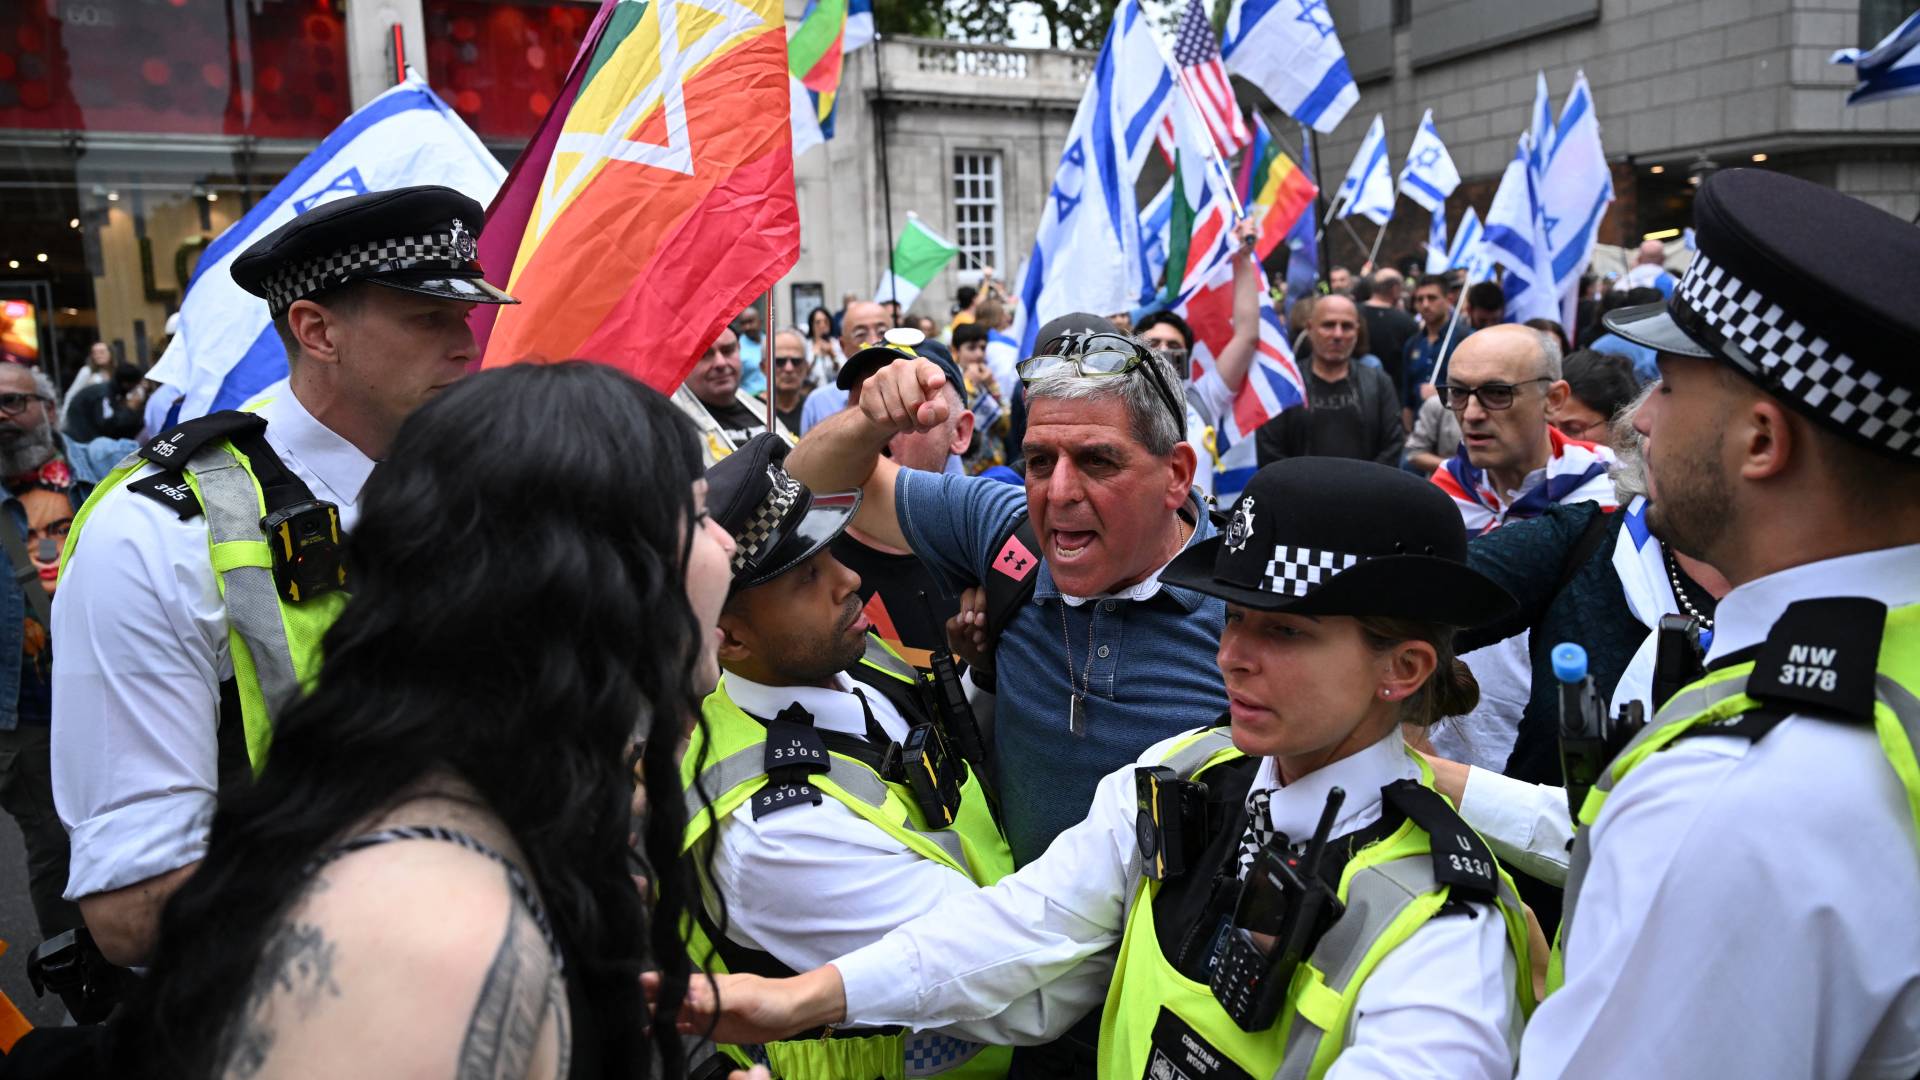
<point>976,209</point>
<point>1878,18</point>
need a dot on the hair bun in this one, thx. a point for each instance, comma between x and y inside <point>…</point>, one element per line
<point>1452,691</point>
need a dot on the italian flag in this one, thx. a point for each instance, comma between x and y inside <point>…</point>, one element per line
<point>918,255</point>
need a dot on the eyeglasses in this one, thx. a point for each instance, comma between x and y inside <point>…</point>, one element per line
<point>15,404</point>
<point>789,361</point>
<point>1098,356</point>
<point>1494,396</point>
<point>1578,429</point>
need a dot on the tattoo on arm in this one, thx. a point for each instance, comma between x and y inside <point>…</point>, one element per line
<point>296,969</point>
<point>521,987</point>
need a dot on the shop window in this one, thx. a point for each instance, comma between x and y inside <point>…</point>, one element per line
<point>500,65</point>
<point>267,68</point>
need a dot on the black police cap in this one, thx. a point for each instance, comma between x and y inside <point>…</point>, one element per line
<point>421,239</point>
<point>1807,292</point>
<point>1334,536</point>
<point>776,523</point>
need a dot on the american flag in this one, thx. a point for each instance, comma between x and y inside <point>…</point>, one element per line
<point>1197,53</point>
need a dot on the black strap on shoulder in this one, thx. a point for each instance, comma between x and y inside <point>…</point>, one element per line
<point>794,752</point>
<point>173,448</point>
<point>1461,859</point>
<point>1820,658</point>
<point>1013,575</point>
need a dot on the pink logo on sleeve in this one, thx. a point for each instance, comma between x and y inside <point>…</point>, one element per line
<point>1015,560</point>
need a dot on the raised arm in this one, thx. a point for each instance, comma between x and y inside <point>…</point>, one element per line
<point>1236,358</point>
<point>844,451</point>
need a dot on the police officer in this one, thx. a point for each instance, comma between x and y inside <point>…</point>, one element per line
<point>833,807</point>
<point>203,571</point>
<point>1741,896</point>
<point>1388,943</point>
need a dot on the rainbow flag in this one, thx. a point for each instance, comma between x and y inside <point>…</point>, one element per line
<point>817,51</point>
<point>1271,182</point>
<point>665,199</point>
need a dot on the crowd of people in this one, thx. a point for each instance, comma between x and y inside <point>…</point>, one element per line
<point>888,700</point>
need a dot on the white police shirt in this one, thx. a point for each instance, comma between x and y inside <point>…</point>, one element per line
<point>1749,908</point>
<point>140,650</point>
<point>1022,961</point>
<point>811,882</point>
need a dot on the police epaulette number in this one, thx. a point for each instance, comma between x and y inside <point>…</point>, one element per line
<point>777,796</point>
<point>1460,858</point>
<point>172,449</point>
<point>1820,656</point>
<point>794,752</point>
<point>171,491</point>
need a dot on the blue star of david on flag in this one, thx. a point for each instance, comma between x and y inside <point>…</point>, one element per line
<point>1313,12</point>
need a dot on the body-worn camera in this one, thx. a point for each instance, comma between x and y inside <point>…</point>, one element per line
<point>1285,907</point>
<point>305,539</point>
<point>1171,825</point>
<point>927,767</point>
<point>72,967</point>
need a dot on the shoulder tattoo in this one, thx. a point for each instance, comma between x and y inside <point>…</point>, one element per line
<point>522,988</point>
<point>295,972</point>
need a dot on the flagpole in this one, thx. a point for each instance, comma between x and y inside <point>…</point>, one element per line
<point>1433,377</point>
<point>767,334</point>
<point>880,136</point>
<point>1313,140</point>
<point>1212,147</point>
<point>1374,252</point>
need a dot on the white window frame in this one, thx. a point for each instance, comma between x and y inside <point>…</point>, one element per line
<point>979,210</point>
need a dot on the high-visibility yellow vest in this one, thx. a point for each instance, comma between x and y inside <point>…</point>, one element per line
<point>727,758</point>
<point>1717,703</point>
<point>274,644</point>
<point>1155,1011</point>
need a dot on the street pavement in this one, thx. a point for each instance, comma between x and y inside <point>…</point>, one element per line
<point>18,930</point>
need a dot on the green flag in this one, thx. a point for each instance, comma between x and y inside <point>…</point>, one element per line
<point>918,255</point>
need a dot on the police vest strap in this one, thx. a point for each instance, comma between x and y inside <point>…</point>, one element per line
<point>748,764</point>
<point>1461,860</point>
<point>879,656</point>
<point>245,565</point>
<point>1187,758</point>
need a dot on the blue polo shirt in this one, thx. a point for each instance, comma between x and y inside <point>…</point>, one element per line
<point>1164,645</point>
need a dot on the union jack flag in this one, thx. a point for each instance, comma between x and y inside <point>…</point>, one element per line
<point>1196,53</point>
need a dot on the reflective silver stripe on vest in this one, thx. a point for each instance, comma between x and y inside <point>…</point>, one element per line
<point>1187,760</point>
<point>1905,706</point>
<point>745,765</point>
<point>879,657</point>
<point>231,503</point>
<point>1376,897</point>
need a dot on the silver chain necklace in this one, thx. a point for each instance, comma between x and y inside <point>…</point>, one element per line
<point>1680,594</point>
<point>1077,705</point>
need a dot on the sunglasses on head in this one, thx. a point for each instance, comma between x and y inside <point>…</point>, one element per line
<point>1101,355</point>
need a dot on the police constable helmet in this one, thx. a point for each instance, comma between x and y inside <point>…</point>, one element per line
<point>1808,293</point>
<point>1333,536</point>
<point>775,521</point>
<point>422,239</point>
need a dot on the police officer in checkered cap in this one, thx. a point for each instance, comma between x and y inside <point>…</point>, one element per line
<point>1740,895</point>
<point>830,808</point>
<point>171,662</point>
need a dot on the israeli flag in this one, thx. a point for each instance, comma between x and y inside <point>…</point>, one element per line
<point>1468,248</point>
<point>1517,238</point>
<point>1368,187</point>
<point>1889,69</point>
<point>1437,241</point>
<point>1429,175</point>
<point>226,349</point>
<point>1087,253</point>
<point>1575,191</point>
<point>1289,50</point>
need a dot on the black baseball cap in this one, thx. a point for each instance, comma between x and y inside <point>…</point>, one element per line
<point>900,342</point>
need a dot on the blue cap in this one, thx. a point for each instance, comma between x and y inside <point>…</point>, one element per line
<point>1569,662</point>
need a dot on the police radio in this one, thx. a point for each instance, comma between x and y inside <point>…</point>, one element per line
<point>1285,907</point>
<point>1679,656</point>
<point>925,765</point>
<point>1171,824</point>
<point>305,540</point>
<point>1589,737</point>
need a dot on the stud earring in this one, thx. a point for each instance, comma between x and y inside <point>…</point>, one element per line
<point>1386,692</point>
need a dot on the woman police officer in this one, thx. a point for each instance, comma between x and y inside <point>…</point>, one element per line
<point>1390,945</point>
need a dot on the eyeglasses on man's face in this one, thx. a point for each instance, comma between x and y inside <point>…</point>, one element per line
<point>15,404</point>
<point>1494,396</point>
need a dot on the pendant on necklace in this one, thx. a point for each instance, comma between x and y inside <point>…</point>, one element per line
<point>1077,715</point>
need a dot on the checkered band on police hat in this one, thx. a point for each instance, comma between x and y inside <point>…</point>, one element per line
<point>1799,361</point>
<point>758,536</point>
<point>452,250</point>
<point>1297,571</point>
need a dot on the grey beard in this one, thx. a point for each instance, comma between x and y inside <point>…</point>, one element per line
<point>32,448</point>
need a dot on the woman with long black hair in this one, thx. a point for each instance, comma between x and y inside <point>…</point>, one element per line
<point>431,876</point>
